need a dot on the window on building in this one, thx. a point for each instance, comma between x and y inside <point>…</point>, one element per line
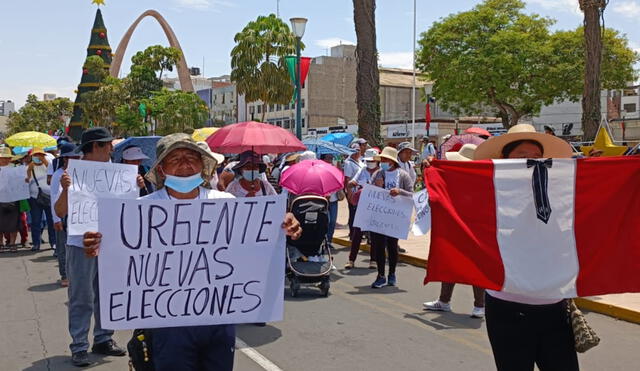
<point>303,123</point>
<point>279,123</point>
<point>259,109</point>
<point>302,103</point>
<point>630,107</point>
<point>287,124</point>
<point>271,108</point>
<point>278,107</point>
<point>223,95</point>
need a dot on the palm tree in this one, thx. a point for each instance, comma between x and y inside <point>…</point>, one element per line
<point>257,61</point>
<point>368,76</point>
<point>591,109</point>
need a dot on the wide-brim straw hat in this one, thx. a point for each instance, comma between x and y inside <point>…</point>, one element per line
<point>166,145</point>
<point>466,153</point>
<point>553,147</point>
<point>5,152</point>
<point>389,153</point>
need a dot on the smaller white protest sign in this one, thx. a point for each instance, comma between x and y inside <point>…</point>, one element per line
<point>422,223</point>
<point>12,184</point>
<point>91,180</point>
<point>379,212</point>
<point>168,263</point>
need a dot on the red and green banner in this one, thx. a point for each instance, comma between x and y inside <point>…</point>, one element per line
<point>292,66</point>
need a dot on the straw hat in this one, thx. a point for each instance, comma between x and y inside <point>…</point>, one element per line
<point>5,152</point>
<point>464,154</point>
<point>553,147</point>
<point>389,153</point>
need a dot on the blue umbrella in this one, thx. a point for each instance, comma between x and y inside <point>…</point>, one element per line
<point>339,138</point>
<point>147,144</point>
<point>322,147</point>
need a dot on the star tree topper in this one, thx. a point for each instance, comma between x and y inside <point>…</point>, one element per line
<point>604,143</point>
<point>97,2</point>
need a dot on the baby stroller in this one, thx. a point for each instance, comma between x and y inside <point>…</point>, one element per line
<point>309,258</point>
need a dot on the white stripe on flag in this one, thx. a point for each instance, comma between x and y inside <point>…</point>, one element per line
<point>539,259</point>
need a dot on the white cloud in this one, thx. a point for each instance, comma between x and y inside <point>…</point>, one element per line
<point>635,46</point>
<point>333,41</point>
<point>396,59</point>
<point>571,6</point>
<point>628,9</point>
<point>202,4</point>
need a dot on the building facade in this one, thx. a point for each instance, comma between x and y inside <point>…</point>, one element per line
<point>7,107</point>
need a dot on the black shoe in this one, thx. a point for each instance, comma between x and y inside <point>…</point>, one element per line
<point>108,348</point>
<point>400,249</point>
<point>80,359</point>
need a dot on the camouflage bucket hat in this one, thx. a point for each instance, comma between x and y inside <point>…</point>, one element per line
<point>172,142</point>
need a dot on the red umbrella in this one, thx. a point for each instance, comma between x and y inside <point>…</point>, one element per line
<point>456,142</point>
<point>312,177</point>
<point>477,131</point>
<point>254,136</point>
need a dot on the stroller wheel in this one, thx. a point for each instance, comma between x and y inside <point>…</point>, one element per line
<point>294,287</point>
<point>324,288</point>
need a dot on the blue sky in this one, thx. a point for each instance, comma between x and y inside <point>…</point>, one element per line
<point>43,43</point>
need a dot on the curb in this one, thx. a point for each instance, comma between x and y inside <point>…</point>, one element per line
<point>610,310</point>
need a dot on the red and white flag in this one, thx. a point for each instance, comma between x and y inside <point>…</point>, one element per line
<point>556,228</point>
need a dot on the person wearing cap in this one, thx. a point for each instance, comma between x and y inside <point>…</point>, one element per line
<point>523,330</point>
<point>67,152</point>
<point>362,145</point>
<point>390,177</point>
<point>466,153</point>
<point>178,174</point>
<point>9,211</point>
<point>249,180</point>
<point>37,179</point>
<point>362,178</point>
<point>352,166</point>
<point>405,153</point>
<point>133,155</point>
<point>82,272</point>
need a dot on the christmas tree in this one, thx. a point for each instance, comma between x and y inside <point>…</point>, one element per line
<point>99,46</point>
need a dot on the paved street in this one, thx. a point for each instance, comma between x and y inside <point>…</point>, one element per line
<point>355,328</point>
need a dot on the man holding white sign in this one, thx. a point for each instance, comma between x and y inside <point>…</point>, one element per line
<point>217,262</point>
<point>82,272</point>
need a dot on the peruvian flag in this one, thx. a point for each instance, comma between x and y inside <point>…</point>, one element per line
<point>556,228</point>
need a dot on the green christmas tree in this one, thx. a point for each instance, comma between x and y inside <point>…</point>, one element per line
<point>99,46</point>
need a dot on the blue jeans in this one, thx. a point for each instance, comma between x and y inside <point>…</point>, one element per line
<point>194,348</point>
<point>37,212</point>
<point>61,239</point>
<point>84,300</point>
<point>333,218</point>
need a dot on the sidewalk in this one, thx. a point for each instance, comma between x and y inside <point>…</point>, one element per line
<point>622,306</point>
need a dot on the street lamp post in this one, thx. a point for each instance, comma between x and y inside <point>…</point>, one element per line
<point>298,25</point>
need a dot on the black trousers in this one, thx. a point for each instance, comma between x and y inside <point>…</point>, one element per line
<point>352,216</point>
<point>522,335</point>
<point>382,244</point>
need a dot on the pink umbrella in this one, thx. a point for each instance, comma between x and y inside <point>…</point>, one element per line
<point>312,177</point>
<point>254,136</point>
<point>456,142</point>
<point>477,131</point>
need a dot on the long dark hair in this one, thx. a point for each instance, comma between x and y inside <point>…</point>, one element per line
<point>508,148</point>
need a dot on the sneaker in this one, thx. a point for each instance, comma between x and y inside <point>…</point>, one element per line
<point>108,348</point>
<point>373,265</point>
<point>349,265</point>
<point>437,306</point>
<point>477,312</point>
<point>391,280</point>
<point>80,359</point>
<point>379,282</point>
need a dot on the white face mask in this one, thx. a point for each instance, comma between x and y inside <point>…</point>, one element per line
<point>372,165</point>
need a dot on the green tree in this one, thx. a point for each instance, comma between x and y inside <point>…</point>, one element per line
<point>42,116</point>
<point>176,111</point>
<point>496,56</point>
<point>257,61</point>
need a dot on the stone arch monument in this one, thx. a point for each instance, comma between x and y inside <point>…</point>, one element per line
<point>183,70</point>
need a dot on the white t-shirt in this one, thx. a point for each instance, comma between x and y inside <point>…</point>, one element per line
<point>391,179</point>
<point>409,167</point>
<point>50,168</point>
<point>41,175</point>
<point>521,298</point>
<point>351,168</point>
<point>236,189</point>
<point>55,193</point>
<point>363,177</point>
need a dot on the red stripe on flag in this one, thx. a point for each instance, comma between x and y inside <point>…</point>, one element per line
<point>607,225</point>
<point>464,246</point>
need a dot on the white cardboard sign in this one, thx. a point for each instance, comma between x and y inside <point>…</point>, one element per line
<point>90,181</point>
<point>379,212</point>
<point>12,184</point>
<point>167,263</point>
<point>422,223</point>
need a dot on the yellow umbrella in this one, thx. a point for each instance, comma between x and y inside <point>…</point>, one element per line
<point>31,139</point>
<point>200,135</point>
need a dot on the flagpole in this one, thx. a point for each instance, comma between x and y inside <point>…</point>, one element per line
<point>413,87</point>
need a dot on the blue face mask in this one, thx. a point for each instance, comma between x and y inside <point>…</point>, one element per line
<point>385,166</point>
<point>36,160</point>
<point>183,184</point>
<point>250,175</point>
